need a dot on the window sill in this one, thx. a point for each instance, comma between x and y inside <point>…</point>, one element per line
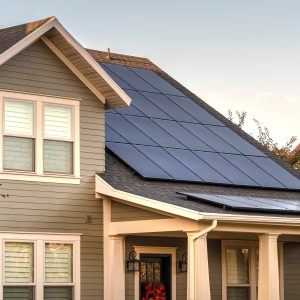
<point>64,179</point>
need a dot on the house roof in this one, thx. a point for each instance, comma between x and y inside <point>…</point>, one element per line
<point>145,64</point>
<point>14,39</point>
<point>122,177</point>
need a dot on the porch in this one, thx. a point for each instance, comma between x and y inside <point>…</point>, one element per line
<point>223,256</point>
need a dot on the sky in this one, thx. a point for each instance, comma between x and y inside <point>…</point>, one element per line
<point>234,54</point>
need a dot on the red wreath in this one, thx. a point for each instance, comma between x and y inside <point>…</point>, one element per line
<point>154,291</point>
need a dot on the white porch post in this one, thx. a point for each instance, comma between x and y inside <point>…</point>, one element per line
<point>198,287</point>
<point>268,274</point>
<point>116,268</point>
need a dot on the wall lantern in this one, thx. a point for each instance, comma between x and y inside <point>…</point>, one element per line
<point>133,264</point>
<point>183,263</point>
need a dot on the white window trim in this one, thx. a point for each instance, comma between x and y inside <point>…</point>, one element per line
<point>156,250</point>
<point>39,102</point>
<point>39,240</point>
<point>252,245</point>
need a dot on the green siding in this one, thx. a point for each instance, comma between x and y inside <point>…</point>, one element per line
<point>47,207</point>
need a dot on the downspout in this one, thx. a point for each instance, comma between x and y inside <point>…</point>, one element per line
<point>206,230</point>
<point>191,257</point>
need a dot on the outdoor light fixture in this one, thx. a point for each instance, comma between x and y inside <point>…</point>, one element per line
<point>133,264</point>
<point>183,263</point>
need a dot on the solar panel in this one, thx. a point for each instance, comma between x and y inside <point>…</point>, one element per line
<point>235,140</point>
<point>210,138</point>
<point>128,131</point>
<point>195,110</point>
<point>233,174</point>
<point>168,163</point>
<point>185,137</point>
<point>159,83</point>
<point>160,136</point>
<point>133,80</point>
<point>180,140</point>
<point>274,169</point>
<point>166,105</point>
<point>138,161</point>
<point>248,203</point>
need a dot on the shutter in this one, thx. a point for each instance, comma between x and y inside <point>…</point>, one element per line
<point>18,293</point>
<point>18,117</point>
<point>58,263</point>
<point>18,262</point>
<point>18,153</point>
<point>58,157</point>
<point>58,121</point>
<point>58,293</point>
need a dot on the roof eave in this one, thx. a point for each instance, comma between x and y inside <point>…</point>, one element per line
<point>120,97</point>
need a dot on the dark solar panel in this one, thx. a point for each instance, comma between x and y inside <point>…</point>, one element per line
<point>248,203</point>
<point>168,163</point>
<point>132,79</point>
<point>185,137</point>
<point>195,110</point>
<point>138,161</point>
<point>229,171</point>
<point>180,140</point>
<point>159,83</point>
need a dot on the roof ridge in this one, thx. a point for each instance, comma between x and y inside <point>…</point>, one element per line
<point>36,22</point>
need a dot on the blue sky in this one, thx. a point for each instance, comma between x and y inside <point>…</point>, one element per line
<point>234,54</point>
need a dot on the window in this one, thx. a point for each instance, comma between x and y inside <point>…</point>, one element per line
<point>39,138</point>
<point>40,267</point>
<point>240,270</point>
<point>18,270</point>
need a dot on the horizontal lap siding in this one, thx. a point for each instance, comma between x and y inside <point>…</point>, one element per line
<point>291,266</point>
<point>45,207</point>
<point>215,268</point>
<point>122,212</point>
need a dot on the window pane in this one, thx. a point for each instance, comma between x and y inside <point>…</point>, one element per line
<point>238,293</point>
<point>58,263</point>
<point>58,121</point>
<point>58,157</point>
<point>18,262</point>
<point>18,293</point>
<point>58,293</point>
<point>237,266</point>
<point>18,153</point>
<point>18,117</point>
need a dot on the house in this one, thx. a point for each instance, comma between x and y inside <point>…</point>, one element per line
<point>120,180</point>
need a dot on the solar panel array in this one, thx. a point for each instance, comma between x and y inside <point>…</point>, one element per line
<point>166,135</point>
<point>248,203</point>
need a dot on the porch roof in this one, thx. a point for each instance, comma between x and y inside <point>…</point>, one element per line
<point>119,176</point>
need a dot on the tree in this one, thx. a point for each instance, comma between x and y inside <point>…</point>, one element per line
<point>264,137</point>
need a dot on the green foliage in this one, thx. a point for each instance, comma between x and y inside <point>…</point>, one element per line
<point>263,136</point>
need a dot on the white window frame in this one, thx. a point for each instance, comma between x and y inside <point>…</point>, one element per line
<point>39,102</point>
<point>253,276</point>
<point>39,241</point>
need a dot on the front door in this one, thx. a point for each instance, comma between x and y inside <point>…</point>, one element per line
<point>155,277</point>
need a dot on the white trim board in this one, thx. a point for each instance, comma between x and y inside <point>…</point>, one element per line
<point>54,23</point>
<point>156,250</point>
<point>104,188</point>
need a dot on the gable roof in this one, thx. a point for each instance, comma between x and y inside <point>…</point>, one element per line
<point>14,39</point>
<point>143,63</point>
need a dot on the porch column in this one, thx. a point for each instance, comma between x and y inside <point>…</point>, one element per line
<point>117,268</point>
<point>198,270</point>
<point>268,275</point>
